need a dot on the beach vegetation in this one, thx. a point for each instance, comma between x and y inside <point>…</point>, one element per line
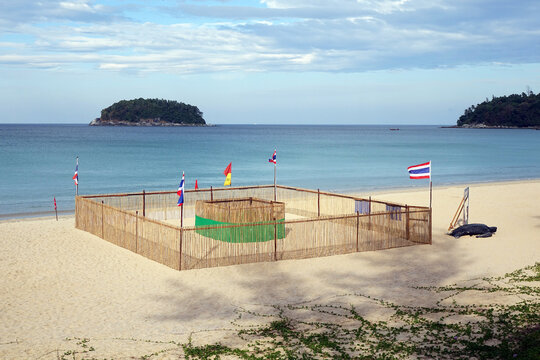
<point>493,331</point>
<point>504,325</point>
<point>517,110</point>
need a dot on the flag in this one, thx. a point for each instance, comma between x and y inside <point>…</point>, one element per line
<point>54,202</point>
<point>227,173</point>
<point>273,158</point>
<point>421,171</point>
<point>196,185</point>
<point>76,175</point>
<point>180,191</point>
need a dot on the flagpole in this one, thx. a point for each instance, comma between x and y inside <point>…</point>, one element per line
<point>77,185</point>
<point>430,185</point>
<point>55,209</point>
<point>275,190</point>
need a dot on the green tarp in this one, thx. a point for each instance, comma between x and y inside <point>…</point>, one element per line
<point>245,233</point>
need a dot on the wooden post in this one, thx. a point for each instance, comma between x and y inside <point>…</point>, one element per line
<point>357,229</point>
<point>319,202</point>
<point>430,225</point>
<point>430,213</point>
<point>182,216</point>
<point>466,206</point>
<point>275,191</point>
<point>180,250</point>
<point>407,222</point>
<point>369,214</point>
<point>430,193</point>
<point>211,194</point>
<point>136,232</point>
<point>102,234</point>
<point>275,239</point>
<point>143,203</point>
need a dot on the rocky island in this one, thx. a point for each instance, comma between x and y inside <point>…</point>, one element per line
<point>506,112</point>
<point>150,112</point>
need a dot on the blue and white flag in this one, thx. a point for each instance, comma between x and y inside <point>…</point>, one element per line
<point>421,171</point>
<point>180,191</point>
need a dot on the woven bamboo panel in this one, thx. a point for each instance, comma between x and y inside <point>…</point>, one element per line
<point>237,211</point>
<point>331,228</point>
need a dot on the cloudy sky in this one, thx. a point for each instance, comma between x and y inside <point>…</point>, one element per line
<point>266,61</point>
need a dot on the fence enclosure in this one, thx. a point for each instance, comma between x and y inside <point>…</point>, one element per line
<point>315,224</point>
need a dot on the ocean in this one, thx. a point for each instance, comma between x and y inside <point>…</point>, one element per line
<point>37,162</point>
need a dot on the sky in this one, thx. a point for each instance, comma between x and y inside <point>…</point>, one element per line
<point>267,61</point>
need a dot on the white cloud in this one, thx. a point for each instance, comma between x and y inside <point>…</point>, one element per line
<point>324,35</point>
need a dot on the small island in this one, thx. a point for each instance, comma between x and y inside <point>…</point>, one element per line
<point>150,112</point>
<point>506,112</point>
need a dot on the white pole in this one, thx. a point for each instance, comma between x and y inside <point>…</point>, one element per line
<point>77,185</point>
<point>275,170</point>
<point>430,185</point>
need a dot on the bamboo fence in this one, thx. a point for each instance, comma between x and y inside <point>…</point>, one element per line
<point>324,224</point>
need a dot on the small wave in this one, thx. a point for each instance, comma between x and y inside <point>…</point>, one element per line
<point>23,215</point>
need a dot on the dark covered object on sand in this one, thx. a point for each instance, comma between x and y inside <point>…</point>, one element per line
<point>480,230</point>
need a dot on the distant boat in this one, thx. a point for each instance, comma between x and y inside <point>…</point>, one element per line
<point>394,129</point>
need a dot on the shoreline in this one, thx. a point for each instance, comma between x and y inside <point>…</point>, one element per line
<point>356,192</point>
<point>491,127</point>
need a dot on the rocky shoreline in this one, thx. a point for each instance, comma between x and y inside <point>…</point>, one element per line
<point>142,122</point>
<point>484,126</point>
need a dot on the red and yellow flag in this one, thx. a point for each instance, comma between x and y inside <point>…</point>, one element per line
<point>227,173</point>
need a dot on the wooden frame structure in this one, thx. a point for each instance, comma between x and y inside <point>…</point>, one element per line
<point>316,224</point>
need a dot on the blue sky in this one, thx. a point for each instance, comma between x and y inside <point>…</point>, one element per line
<point>267,61</point>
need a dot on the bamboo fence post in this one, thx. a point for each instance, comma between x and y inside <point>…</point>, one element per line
<point>407,216</point>
<point>102,234</point>
<point>319,202</point>
<point>430,192</point>
<point>430,225</point>
<point>136,232</point>
<point>369,214</point>
<point>357,229</point>
<point>180,250</point>
<point>275,239</point>
<point>143,203</point>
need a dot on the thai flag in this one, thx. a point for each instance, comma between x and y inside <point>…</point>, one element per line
<point>421,171</point>
<point>273,158</point>
<point>180,191</point>
<point>76,175</point>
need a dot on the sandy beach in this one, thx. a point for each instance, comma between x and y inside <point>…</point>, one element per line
<point>65,290</point>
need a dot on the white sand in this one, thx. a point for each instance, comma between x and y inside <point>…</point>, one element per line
<point>60,284</point>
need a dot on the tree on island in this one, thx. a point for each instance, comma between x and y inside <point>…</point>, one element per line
<point>155,110</point>
<point>505,111</point>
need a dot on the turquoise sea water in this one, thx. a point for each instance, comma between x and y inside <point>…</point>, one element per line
<point>38,161</point>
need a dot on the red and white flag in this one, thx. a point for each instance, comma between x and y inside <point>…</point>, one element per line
<point>421,171</point>
<point>180,191</point>
<point>76,175</point>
